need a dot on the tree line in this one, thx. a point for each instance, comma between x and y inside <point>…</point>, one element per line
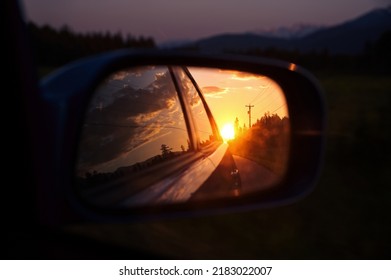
<point>55,47</point>
<point>265,142</point>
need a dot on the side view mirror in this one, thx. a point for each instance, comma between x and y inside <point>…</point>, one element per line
<point>149,134</point>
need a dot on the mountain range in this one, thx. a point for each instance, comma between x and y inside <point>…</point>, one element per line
<point>289,32</point>
<point>349,37</point>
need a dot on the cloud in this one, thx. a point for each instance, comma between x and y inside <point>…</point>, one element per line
<point>119,75</point>
<point>242,76</point>
<point>213,90</point>
<point>127,74</point>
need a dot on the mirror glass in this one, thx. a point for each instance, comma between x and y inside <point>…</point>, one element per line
<point>171,134</point>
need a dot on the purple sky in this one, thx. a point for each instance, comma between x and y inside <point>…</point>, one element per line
<point>168,20</point>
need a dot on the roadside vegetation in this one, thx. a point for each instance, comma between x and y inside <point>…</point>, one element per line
<point>266,143</point>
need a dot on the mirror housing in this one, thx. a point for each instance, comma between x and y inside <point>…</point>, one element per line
<point>67,92</point>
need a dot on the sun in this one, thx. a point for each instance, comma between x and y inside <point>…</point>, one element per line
<point>228,132</point>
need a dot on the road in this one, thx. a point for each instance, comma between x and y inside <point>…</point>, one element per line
<point>254,176</point>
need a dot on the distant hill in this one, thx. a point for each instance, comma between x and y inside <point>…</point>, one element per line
<point>241,42</point>
<point>350,37</point>
<point>289,32</point>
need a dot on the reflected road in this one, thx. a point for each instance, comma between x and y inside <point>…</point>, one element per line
<point>254,176</point>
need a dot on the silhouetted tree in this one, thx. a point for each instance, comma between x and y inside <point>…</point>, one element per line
<point>55,47</point>
<point>166,150</point>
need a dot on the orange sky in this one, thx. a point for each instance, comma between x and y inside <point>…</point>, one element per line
<point>228,92</point>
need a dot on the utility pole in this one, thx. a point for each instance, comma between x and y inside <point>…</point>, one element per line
<point>249,114</point>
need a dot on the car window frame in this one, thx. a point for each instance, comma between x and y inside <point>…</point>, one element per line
<point>192,122</point>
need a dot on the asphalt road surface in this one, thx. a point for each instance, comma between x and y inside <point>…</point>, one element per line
<point>254,176</point>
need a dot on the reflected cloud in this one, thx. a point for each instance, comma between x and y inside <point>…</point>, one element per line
<point>141,119</point>
<point>214,91</point>
<point>123,119</point>
<point>120,75</point>
<point>242,76</point>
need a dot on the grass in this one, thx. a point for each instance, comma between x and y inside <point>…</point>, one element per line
<point>346,217</point>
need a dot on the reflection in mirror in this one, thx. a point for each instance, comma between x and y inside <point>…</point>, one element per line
<point>149,137</point>
<point>252,114</point>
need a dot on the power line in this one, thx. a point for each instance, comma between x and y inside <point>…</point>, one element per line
<point>263,88</point>
<point>279,107</point>
<point>267,105</point>
<point>263,98</point>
